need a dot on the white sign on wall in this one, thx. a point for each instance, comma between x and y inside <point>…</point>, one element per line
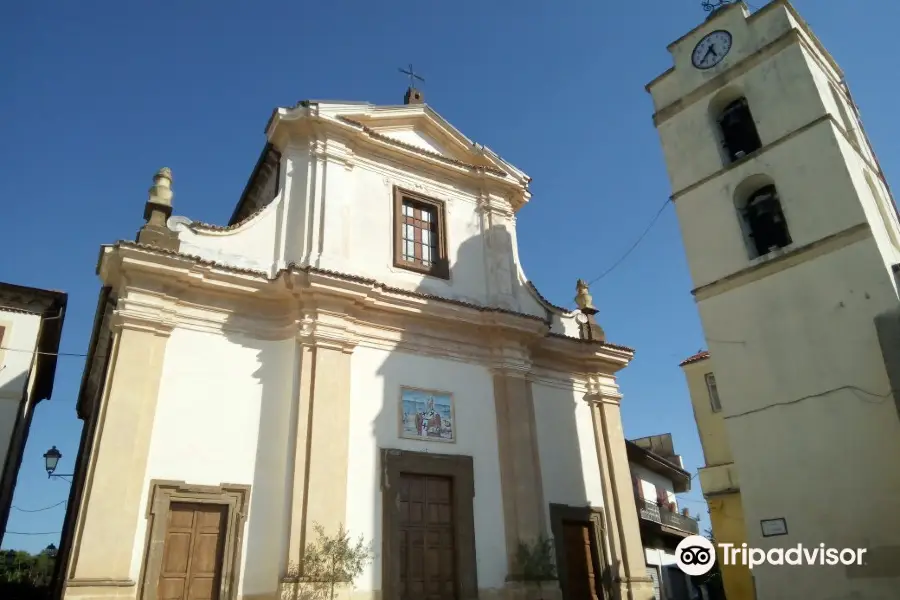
<point>773,527</point>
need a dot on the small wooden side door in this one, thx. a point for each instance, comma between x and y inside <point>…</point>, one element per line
<point>581,562</point>
<point>192,557</point>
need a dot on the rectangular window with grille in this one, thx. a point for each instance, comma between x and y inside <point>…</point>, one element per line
<point>419,234</point>
<point>713,392</point>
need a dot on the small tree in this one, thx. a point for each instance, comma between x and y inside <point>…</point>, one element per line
<point>534,562</point>
<point>329,561</point>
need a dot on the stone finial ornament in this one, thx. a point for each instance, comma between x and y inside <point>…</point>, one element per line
<point>164,173</point>
<point>160,193</point>
<point>583,298</point>
<point>157,210</point>
<point>588,328</point>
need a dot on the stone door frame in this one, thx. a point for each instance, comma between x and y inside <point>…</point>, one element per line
<point>559,513</point>
<point>162,494</point>
<point>461,469</point>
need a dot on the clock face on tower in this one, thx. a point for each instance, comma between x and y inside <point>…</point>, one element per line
<point>711,49</point>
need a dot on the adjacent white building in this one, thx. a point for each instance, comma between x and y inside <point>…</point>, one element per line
<point>31,322</point>
<point>359,346</point>
<point>657,475</point>
<point>791,234</point>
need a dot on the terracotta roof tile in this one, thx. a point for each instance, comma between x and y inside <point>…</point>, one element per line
<point>345,276</point>
<point>702,355</point>
<point>193,257</point>
<point>400,291</point>
<point>581,341</point>
<point>389,140</point>
<point>534,289</point>
<point>210,227</point>
<point>363,280</point>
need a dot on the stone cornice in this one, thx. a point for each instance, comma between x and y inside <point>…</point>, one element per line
<point>355,137</point>
<point>416,150</point>
<point>576,382</point>
<point>602,390</point>
<point>161,289</point>
<point>597,400</point>
<point>327,326</point>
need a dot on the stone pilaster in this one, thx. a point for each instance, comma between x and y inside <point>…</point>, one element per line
<point>497,223</point>
<point>630,580</point>
<point>319,487</point>
<point>520,471</point>
<point>306,366</point>
<point>106,528</point>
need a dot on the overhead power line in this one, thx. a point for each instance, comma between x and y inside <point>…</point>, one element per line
<point>634,245</point>
<point>25,510</point>
<point>45,353</point>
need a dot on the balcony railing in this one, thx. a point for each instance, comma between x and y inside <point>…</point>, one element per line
<point>651,511</point>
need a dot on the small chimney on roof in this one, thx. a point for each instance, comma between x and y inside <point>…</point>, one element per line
<point>413,94</point>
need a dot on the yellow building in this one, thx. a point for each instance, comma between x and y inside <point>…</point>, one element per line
<point>719,478</point>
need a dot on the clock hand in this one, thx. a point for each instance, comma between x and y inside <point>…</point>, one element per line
<point>711,50</point>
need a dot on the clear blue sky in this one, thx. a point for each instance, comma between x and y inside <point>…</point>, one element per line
<point>94,99</point>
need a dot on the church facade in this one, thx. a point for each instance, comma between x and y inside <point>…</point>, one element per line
<point>358,348</point>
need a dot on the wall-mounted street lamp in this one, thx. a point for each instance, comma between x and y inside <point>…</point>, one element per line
<point>51,460</point>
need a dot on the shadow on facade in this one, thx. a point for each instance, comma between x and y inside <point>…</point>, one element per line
<point>503,434</point>
<point>264,533</point>
<point>496,423</point>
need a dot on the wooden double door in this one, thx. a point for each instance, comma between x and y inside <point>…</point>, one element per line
<point>427,544</point>
<point>191,567</point>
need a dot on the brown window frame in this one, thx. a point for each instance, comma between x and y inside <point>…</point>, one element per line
<point>440,266</point>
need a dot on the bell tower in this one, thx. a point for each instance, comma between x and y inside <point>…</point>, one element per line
<point>791,235</point>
